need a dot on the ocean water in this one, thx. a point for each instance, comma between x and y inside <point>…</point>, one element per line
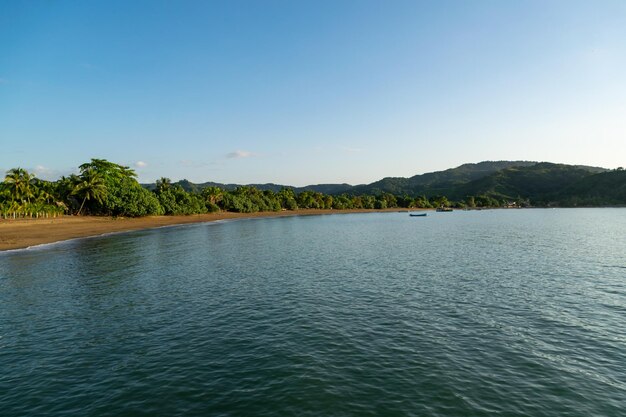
<point>503,312</point>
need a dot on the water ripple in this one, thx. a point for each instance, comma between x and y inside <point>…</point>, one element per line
<point>471,313</point>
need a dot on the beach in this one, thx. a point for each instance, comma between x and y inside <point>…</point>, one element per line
<point>23,233</point>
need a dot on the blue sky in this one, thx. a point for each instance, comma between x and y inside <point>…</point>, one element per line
<point>299,92</point>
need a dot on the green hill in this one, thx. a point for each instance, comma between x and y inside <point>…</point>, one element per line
<point>606,188</point>
<point>539,183</point>
<point>333,189</point>
<point>439,182</point>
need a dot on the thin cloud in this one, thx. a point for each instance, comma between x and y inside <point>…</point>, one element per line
<point>351,150</point>
<point>49,174</point>
<point>239,155</point>
<point>140,164</point>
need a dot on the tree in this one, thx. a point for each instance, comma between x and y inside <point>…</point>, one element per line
<point>162,184</point>
<point>108,170</point>
<point>341,202</point>
<point>91,186</point>
<point>213,195</point>
<point>368,201</point>
<point>136,201</point>
<point>124,195</point>
<point>440,201</point>
<point>390,200</point>
<point>287,198</point>
<point>307,200</point>
<point>18,184</point>
<point>421,202</point>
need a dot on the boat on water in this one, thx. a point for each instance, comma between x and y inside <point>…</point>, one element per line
<point>418,214</point>
<point>444,209</point>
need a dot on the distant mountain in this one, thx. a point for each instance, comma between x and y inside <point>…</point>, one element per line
<point>439,182</point>
<point>538,181</point>
<point>541,183</point>
<point>605,188</point>
<point>433,182</point>
<point>333,189</point>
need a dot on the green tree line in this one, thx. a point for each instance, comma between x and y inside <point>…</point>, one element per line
<point>103,188</point>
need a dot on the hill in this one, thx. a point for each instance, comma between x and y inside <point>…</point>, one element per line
<point>539,183</point>
<point>333,189</point>
<point>606,188</point>
<point>439,182</point>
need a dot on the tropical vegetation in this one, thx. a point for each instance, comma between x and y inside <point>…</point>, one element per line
<point>105,188</point>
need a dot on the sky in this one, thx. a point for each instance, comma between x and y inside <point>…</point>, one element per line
<point>308,92</point>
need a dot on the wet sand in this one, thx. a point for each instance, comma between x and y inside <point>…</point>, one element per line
<point>22,233</point>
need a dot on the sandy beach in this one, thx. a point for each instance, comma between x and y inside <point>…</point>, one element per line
<point>22,233</point>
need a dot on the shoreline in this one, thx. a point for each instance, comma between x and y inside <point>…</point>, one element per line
<point>25,233</point>
<point>16,234</point>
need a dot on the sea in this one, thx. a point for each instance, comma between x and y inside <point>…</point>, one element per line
<point>517,312</point>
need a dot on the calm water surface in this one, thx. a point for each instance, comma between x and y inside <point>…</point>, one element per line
<point>506,312</point>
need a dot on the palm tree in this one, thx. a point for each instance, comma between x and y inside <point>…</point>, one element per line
<point>213,194</point>
<point>15,208</point>
<point>163,184</point>
<point>90,186</point>
<point>18,184</point>
<point>108,169</point>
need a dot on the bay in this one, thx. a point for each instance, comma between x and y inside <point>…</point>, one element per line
<point>509,312</point>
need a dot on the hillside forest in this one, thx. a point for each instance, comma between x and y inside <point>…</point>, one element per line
<point>104,188</point>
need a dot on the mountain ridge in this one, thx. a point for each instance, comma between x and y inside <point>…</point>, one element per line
<point>500,179</point>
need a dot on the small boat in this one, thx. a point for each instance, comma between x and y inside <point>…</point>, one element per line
<point>418,214</point>
<point>444,209</point>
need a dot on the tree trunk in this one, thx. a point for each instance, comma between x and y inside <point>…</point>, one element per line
<point>81,206</point>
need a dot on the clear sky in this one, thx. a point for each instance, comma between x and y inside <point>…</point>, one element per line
<point>304,92</point>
